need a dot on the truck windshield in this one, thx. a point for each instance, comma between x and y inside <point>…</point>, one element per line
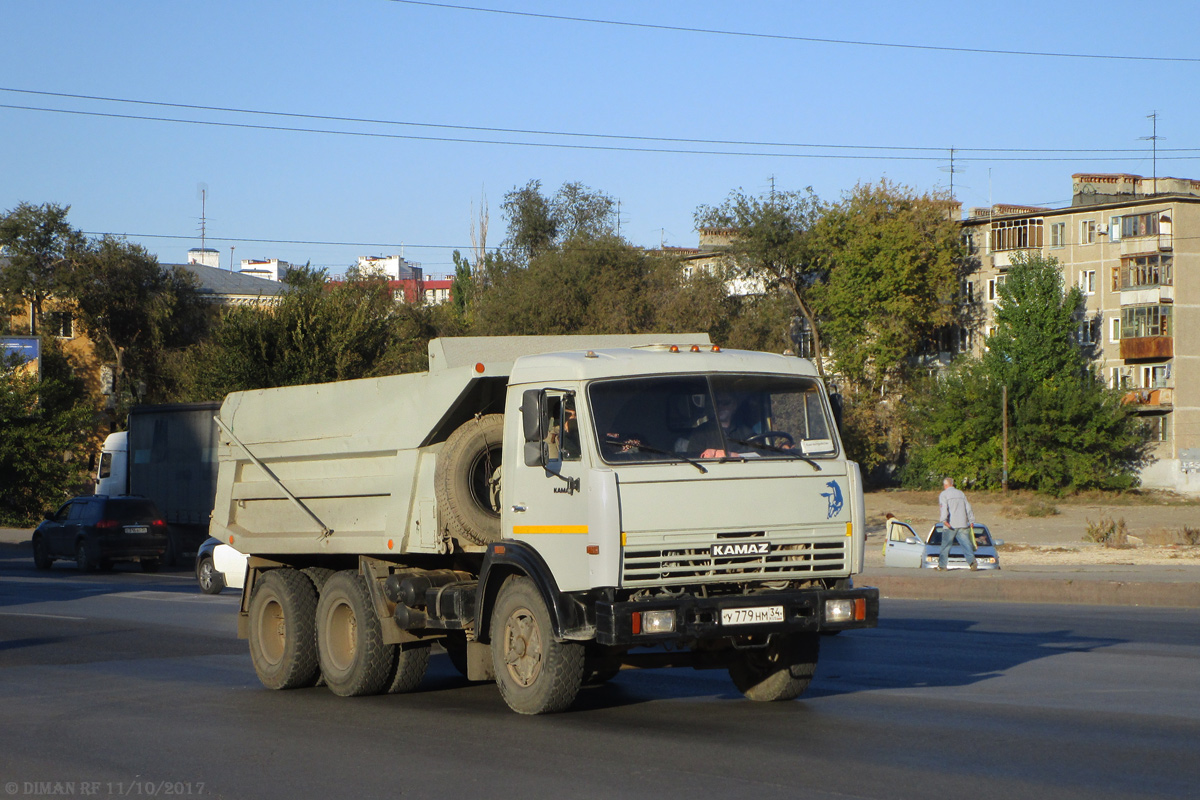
<point>717,417</point>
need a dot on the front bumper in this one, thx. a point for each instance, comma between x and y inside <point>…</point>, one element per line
<point>699,618</point>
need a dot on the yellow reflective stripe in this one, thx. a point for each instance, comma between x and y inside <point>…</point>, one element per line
<point>526,529</point>
<point>849,528</point>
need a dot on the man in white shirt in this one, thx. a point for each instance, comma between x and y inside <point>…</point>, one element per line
<point>958,521</point>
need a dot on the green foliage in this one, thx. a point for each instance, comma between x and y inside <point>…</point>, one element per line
<point>1067,431</point>
<point>40,245</point>
<point>133,309</point>
<point>44,435</point>
<point>315,334</point>
<point>772,246</point>
<point>891,259</point>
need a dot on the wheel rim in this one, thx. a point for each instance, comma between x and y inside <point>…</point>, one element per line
<point>522,647</point>
<point>272,632</point>
<point>206,575</point>
<point>484,480</point>
<point>342,641</point>
<point>80,555</point>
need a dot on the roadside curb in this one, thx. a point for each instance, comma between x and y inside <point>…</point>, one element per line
<point>1062,590</point>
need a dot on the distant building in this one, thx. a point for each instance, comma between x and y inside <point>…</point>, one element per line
<point>711,256</point>
<point>224,288</point>
<point>394,267</point>
<point>204,255</point>
<point>271,269</point>
<point>1132,245</point>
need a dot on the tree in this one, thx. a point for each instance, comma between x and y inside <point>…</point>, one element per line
<point>39,245</point>
<point>44,430</point>
<point>892,259</point>
<point>772,245</point>
<point>532,226</point>
<point>1067,431</point>
<point>315,334</point>
<point>131,307</point>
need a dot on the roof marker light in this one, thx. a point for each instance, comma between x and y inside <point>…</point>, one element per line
<point>716,348</point>
<point>479,368</point>
<point>673,348</point>
<point>590,354</point>
<point>695,348</point>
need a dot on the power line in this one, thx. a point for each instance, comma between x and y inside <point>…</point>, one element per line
<point>563,145</point>
<point>806,39</point>
<point>572,134</point>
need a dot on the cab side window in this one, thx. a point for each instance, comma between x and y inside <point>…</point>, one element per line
<point>562,437</point>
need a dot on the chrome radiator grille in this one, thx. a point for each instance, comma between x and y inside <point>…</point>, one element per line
<point>657,560</point>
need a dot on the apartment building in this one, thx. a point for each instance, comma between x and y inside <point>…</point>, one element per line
<point>1132,245</point>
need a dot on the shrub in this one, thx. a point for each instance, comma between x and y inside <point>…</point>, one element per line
<point>1108,533</point>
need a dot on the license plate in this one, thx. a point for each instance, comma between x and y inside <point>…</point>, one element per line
<point>751,616</point>
<point>136,529</point>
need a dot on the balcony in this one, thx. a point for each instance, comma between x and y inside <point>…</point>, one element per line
<point>1143,347</point>
<point>1142,295</point>
<point>1150,398</point>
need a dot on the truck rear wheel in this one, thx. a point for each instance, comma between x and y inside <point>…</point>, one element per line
<point>409,670</point>
<point>780,671</point>
<point>354,659</point>
<point>467,480</point>
<point>535,673</point>
<point>282,644</point>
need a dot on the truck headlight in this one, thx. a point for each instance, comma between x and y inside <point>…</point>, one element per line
<point>839,610</point>
<point>658,621</point>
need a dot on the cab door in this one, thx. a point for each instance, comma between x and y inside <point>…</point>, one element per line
<point>546,488</point>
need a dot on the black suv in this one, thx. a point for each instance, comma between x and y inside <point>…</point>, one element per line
<point>98,530</point>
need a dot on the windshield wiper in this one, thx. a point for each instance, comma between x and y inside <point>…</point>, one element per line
<point>636,445</point>
<point>774,449</point>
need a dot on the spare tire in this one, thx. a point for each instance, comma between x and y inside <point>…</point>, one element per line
<point>467,480</point>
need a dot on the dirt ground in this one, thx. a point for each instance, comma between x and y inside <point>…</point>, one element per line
<point>1048,531</point>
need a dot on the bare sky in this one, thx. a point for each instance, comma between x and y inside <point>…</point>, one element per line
<point>690,101</point>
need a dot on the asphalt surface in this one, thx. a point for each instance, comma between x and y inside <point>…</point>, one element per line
<point>1174,586</point>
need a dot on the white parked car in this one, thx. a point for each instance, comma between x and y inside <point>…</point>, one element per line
<point>904,548</point>
<point>219,566</point>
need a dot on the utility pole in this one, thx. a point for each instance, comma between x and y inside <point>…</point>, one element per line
<point>1004,473</point>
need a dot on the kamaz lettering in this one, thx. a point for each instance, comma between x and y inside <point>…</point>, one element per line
<point>742,549</point>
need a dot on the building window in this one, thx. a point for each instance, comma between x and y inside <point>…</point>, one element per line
<point>1089,331</point>
<point>993,290</point>
<point>59,324</point>
<point>968,291</point>
<point>1114,330</point>
<point>1087,281</point>
<point>1122,377</point>
<point>1139,225</point>
<point>964,340</point>
<point>1159,428</point>
<point>1155,376</point>
<point>1016,234</point>
<point>1139,321</point>
<point>1136,272</point>
<point>1058,234</point>
<point>1087,231</point>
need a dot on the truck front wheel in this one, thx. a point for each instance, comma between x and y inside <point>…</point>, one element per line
<point>282,644</point>
<point>535,673</point>
<point>354,659</point>
<point>780,671</point>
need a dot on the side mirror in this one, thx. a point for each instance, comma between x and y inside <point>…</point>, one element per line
<point>835,403</point>
<point>912,540</point>
<point>47,515</point>
<point>532,403</point>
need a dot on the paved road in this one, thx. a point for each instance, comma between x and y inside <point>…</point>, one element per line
<point>135,684</point>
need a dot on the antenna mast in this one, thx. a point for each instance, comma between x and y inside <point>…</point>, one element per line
<point>203,221</point>
<point>1153,139</point>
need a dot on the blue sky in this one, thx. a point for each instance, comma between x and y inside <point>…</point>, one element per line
<point>413,63</point>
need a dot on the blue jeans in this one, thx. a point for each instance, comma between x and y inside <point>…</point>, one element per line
<point>963,537</point>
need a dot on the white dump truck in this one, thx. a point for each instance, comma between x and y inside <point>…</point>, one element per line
<point>549,510</point>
